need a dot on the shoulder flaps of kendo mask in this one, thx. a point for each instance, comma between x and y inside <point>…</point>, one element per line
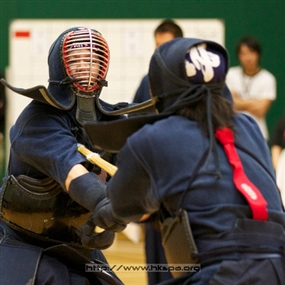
<point>104,135</point>
<point>123,108</point>
<point>41,94</point>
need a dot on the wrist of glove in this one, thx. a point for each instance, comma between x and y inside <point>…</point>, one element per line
<point>87,190</point>
<point>92,239</point>
<point>104,217</point>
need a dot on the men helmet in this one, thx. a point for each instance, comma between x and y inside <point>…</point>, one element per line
<point>181,69</point>
<point>78,64</point>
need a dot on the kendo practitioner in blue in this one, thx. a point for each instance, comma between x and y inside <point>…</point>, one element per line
<point>50,189</point>
<point>202,159</point>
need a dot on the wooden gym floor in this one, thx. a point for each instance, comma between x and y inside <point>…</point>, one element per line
<point>125,252</point>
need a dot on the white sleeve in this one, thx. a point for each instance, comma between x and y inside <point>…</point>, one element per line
<point>269,91</point>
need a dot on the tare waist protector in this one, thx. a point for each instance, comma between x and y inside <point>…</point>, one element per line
<point>42,210</point>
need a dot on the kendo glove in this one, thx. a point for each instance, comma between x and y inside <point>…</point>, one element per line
<point>89,238</point>
<point>104,217</point>
<point>88,190</point>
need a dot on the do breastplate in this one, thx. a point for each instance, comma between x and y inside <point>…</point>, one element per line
<point>41,209</point>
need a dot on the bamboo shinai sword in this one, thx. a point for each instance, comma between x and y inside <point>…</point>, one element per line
<point>95,158</point>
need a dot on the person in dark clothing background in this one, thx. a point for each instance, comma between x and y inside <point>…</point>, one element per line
<point>167,30</point>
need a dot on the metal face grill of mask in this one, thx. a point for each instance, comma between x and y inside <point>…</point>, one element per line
<point>86,58</point>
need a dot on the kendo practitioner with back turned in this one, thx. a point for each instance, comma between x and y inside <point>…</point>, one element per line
<point>205,169</point>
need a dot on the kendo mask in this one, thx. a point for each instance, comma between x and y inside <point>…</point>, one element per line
<point>78,64</point>
<point>185,69</point>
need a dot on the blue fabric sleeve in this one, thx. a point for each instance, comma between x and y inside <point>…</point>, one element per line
<point>43,143</point>
<point>131,198</point>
